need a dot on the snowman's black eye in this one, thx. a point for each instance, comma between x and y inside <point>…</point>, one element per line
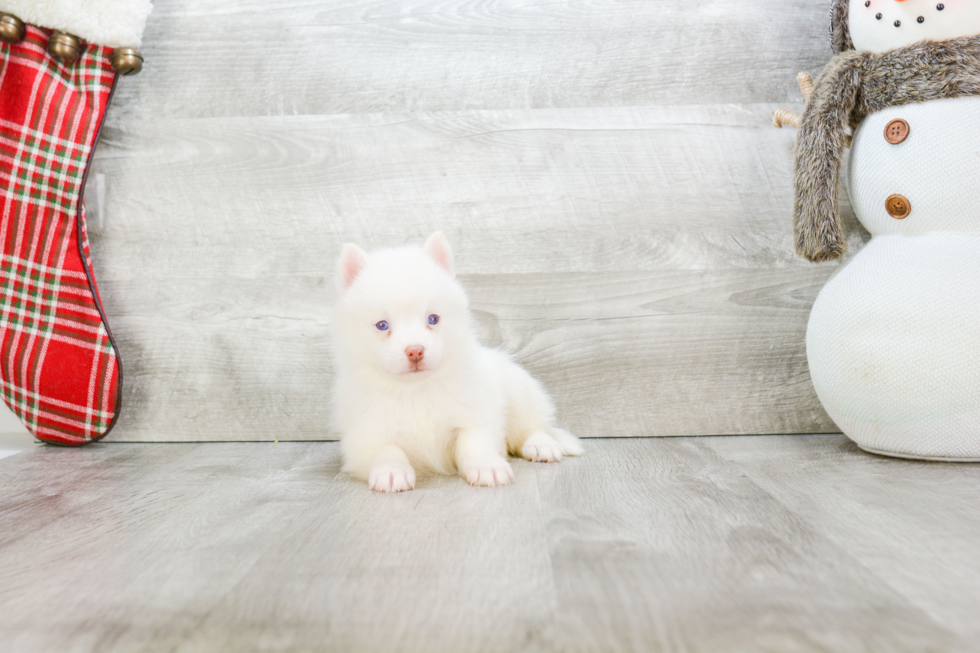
<point>940,6</point>
<point>878,16</point>
<point>898,23</point>
<point>921,19</point>
<point>868,3</point>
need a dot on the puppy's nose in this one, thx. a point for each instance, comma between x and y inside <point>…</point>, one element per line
<point>415,353</point>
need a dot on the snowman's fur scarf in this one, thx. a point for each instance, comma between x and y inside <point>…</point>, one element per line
<point>840,37</point>
<point>852,86</point>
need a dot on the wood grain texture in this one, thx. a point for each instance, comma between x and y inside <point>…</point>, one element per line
<point>652,293</point>
<point>688,187</point>
<point>763,543</point>
<point>620,206</point>
<point>624,354</point>
<point>262,58</point>
<point>678,551</point>
<point>883,516</point>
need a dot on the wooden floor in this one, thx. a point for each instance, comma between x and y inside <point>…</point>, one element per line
<point>770,543</point>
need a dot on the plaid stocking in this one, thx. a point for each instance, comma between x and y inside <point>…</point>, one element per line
<point>59,365</point>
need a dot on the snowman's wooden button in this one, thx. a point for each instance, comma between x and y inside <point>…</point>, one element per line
<point>898,206</point>
<point>896,131</point>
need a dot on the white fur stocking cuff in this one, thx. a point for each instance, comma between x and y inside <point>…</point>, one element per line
<point>114,23</point>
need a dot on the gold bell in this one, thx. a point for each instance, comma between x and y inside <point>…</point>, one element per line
<point>127,61</point>
<point>64,47</point>
<point>11,29</point>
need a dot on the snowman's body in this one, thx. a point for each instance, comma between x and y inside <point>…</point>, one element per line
<point>893,341</point>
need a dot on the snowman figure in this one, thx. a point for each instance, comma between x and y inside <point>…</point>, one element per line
<point>893,341</point>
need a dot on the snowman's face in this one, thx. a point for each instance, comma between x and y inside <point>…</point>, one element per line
<point>880,25</point>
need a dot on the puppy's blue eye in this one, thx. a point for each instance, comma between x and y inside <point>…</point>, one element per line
<point>382,325</point>
<point>433,319</point>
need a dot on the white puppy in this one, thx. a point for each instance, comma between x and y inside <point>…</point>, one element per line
<point>416,391</point>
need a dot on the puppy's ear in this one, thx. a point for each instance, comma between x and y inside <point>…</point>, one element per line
<point>352,261</point>
<point>438,248</point>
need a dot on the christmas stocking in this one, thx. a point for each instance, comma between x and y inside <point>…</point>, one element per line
<point>59,60</point>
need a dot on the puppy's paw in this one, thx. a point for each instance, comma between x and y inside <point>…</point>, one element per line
<point>391,477</point>
<point>570,445</point>
<point>488,472</point>
<point>541,448</point>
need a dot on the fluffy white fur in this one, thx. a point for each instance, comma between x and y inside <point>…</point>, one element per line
<point>115,23</point>
<point>459,408</point>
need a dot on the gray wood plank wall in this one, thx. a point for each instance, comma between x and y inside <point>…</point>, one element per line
<point>606,170</point>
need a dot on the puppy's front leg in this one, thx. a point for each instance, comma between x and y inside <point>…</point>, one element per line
<point>391,471</point>
<point>479,457</point>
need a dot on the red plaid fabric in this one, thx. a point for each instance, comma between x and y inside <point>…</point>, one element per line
<point>60,371</point>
